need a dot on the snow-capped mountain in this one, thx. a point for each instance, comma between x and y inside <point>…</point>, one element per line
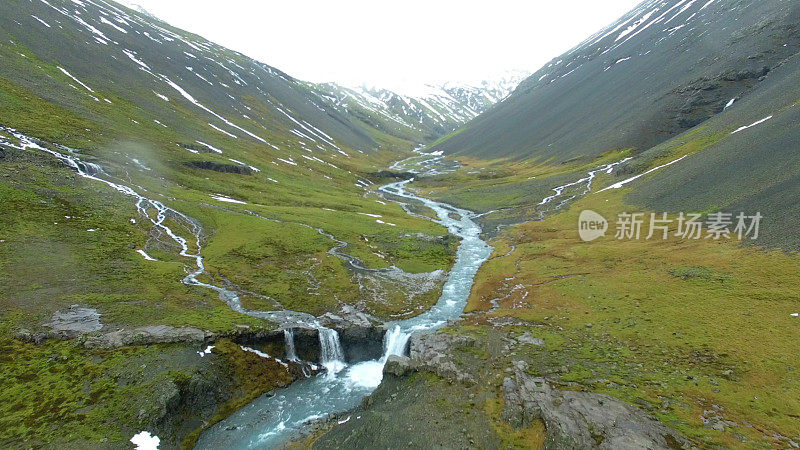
<point>423,113</point>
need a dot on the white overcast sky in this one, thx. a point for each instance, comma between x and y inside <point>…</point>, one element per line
<point>393,44</point>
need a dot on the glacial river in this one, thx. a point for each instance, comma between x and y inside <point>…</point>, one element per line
<point>271,420</point>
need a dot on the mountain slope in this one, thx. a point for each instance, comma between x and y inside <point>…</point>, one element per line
<point>659,70</point>
<point>117,51</point>
<point>671,78</point>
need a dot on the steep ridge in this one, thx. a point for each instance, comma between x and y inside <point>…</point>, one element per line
<point>661,69</point>
<point>752,166</point>
<point>114,50</point>
<point>670,79</point>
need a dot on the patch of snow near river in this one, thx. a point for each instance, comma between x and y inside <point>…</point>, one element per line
<point>224,198</point>
<point>145,255</point>
<point>145,441</point>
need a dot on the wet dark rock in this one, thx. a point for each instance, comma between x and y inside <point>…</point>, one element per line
<point>579,420</point>
<point>302,369</point>
<point>306,344</point>
<point>362,344</point>
<point>219,167</point>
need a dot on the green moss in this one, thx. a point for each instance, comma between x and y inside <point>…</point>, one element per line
<point>61,393</point>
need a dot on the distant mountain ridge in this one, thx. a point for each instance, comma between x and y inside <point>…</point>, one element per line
<point>422,114</point>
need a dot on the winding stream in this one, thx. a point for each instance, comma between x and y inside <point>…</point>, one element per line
<point>270,421</point>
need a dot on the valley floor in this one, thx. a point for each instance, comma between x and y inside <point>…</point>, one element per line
<point>100,337</point>
<point>700,334</point>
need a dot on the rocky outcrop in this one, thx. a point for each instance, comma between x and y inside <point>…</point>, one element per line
<point>579,420</point>
<point>398,366</point>
<point>433,352</point>
<point>392,174</point>
<point>527,338</point>
<point>360,334</point>
<point>220,167</point>
<point>190,399</point>
<point>149,335</point>
<point>74,321</point>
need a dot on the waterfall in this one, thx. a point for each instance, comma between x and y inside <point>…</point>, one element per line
<point>331,353</point>
<point>288,337</point>
<point>273,419</point>
<point>88,168</point>
<point>394,342</point>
